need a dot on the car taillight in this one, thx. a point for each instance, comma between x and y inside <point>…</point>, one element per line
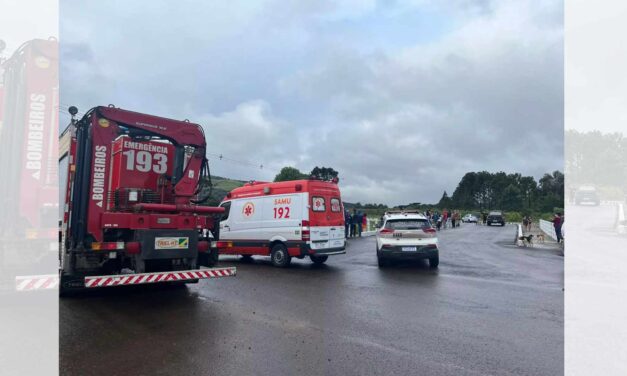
<point>384,231</point>
<point>429,230</point>
<point>306,235</point>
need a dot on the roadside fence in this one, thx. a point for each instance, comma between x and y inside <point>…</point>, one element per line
<point>519,233</point>
<point>547,228</point>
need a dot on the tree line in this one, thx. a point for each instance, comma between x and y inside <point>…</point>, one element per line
<point>476,191</point>
<point>292,173</point>
<point>511,192</point>
<point>596,158</point>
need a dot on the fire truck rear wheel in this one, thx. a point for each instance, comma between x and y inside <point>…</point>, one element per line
<point>279,256</point>
<point>318,260</point>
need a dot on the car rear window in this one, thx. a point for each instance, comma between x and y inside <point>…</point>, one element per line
<point>336,207</point>
<point>407,224</point>
<point>318,204</point>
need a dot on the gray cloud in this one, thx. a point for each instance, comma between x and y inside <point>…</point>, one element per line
<point>301,85</point>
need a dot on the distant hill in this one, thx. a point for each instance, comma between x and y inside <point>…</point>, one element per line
<point>226,184</point>
<point>221,186</point>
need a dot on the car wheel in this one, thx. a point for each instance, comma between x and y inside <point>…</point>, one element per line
<point>434,261</point>
<point>279,256</point>
<point>318,260</point>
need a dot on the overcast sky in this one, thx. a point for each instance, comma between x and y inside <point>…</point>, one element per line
<point>401,97</point>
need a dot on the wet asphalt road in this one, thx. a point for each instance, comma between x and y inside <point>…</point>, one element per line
<point>596,288</point>
<point>490,309</point>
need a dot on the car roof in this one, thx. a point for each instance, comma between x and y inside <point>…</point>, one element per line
<point>496,212</point>
<point>404,216</point>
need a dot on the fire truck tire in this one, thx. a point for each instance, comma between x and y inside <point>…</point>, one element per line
<point>208,259</point>
<point>318,260</point>
<point>279,255</point>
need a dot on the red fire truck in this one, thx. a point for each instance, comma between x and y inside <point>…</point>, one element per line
<point>132,212</point>
<point>28,149</point>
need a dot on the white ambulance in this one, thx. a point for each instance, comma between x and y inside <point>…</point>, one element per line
<point>282,220</point>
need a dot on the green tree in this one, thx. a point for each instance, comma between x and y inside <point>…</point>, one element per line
<point>445,201</point>
<point>511,198</point>
<point>289,173</point>
<point>323,173</point>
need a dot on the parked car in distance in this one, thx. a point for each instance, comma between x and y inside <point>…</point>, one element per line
<point>407,235</point>
<point>587,195</point>
<point>469,218</point>
<point>495,217</point>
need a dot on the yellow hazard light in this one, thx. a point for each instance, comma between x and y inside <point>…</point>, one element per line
<point>95,246</point>
<point>31,234</point>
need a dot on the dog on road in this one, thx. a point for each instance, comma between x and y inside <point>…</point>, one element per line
<point>527,241</point>
<point>540,238</point>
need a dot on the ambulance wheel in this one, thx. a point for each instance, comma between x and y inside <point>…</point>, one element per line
<point>279,256</point>
<point>318,260</point>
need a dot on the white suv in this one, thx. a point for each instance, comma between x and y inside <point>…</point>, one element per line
<point>407,235</point>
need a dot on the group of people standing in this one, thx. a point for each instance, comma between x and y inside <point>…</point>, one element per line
<point>441,219</point>
<point>354,223</point>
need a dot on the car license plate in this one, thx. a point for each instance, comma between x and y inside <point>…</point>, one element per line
<point>408,249</point>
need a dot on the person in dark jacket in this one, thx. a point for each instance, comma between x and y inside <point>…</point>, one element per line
<point>557,225</point>
<point>347,223</point>
<point>359,219</point>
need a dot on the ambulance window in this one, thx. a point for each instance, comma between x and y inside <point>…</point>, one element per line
<point>318,204</point>
<point>227,209</point>
<point>335,205</point>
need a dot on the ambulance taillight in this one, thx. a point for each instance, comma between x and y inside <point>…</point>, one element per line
<point>306,235</point>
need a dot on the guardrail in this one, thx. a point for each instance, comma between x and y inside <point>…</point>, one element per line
<point>621,223</point>
<point>547,228</point>
<point>519,234</point>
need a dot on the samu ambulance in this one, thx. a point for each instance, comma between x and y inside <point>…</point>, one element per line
<point>282,220</point>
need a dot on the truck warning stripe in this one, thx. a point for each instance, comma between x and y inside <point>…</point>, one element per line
<point>143,278</point>
<point>36,282</point>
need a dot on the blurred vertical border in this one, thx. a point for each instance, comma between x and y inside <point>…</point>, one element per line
<point>596,187</point>
<point>29,187</point>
